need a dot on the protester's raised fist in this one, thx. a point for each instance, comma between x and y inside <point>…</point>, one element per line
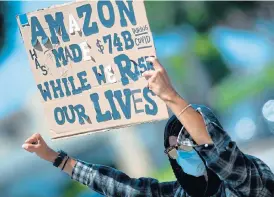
<point>158,80</point>
<point>36,144</point>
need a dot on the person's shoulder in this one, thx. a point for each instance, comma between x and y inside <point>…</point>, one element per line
<point>202,108</point>
<point>264,172</point>
<point>207,113</point>
<point>262,167</point>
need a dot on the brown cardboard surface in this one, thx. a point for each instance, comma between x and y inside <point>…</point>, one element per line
<point>47,70</point>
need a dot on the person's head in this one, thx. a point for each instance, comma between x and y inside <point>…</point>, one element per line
<point>196,183</point>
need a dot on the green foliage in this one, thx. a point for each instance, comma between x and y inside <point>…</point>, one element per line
<point>73,189</point>
<point>204,48</point>
<point>165,174</point>
<point>160,15</point>
<point>235,89</point>
<point>177,66</point>
<point>211,58</point>
<point>201,15</point>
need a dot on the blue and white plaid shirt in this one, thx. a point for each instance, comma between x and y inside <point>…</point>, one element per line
<point>242,175</point>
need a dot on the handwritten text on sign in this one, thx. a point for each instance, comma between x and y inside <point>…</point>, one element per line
<point>87,59</point>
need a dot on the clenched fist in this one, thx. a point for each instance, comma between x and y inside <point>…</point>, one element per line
<point>36,144</point>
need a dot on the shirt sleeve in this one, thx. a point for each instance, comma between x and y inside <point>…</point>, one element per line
<point>225,158</point>
<point>111,182</point>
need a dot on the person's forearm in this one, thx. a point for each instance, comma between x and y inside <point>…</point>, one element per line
<point>109,181</point>
<point>191,119</point>
<point>69,165</point>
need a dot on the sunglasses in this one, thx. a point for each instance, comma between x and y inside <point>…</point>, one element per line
<point>172,150</point>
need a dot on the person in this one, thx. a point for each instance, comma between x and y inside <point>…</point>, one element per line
<point>205,161</point>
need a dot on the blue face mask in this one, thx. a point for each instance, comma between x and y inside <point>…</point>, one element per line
<point>191,162</point>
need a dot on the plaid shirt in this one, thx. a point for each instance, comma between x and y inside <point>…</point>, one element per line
<point>242,175</point>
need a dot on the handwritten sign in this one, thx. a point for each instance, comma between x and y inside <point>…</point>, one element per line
<point>87,58</point>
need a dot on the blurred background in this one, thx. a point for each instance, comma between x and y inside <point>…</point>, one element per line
<point>217,53</point>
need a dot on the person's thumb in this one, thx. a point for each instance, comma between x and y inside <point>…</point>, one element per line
<point>30,147</point>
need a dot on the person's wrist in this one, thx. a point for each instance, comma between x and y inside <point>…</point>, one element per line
<point>51,155</point>
<point>169,96</point>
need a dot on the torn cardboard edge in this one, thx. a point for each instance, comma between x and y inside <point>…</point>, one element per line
<point>84,133</point>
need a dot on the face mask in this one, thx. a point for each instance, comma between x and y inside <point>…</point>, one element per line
<point>191,162</point>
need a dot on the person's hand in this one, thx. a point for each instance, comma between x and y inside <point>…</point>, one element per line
<point>36,144</point>
<point>158,81</point>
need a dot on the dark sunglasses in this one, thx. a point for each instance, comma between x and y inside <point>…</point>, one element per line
<point>172,150</point>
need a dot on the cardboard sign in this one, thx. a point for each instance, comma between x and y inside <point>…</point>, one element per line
<point>87,58</point>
